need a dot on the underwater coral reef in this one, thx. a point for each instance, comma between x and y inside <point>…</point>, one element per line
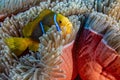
<point>90,51</point>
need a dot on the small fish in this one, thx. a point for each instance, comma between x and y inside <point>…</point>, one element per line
<point>36,28</point>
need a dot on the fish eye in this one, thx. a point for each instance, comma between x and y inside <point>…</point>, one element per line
<point>60,21</point>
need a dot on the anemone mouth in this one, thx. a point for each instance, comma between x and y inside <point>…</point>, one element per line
<point>44,65</point>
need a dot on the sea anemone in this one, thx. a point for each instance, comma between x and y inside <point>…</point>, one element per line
<point>97,47</point>
<point>91,50</point>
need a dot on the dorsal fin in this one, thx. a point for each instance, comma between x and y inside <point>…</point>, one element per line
<point>28,29</point>
<point>43,14</point>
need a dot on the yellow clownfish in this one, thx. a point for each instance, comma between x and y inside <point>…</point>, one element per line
<point>36,28</point>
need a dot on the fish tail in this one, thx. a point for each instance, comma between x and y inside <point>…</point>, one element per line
<point>17,45</point>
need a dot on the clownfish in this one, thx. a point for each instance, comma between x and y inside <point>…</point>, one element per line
<point>36,28</point>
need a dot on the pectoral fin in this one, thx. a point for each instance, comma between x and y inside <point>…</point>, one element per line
<point>34,46</point>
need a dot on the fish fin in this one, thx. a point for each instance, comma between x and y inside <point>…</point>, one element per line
<point>34,46</point>
<point>28,29</point>
<point>17,45</point>
<point>42,14</point>
<point>46,28</point>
